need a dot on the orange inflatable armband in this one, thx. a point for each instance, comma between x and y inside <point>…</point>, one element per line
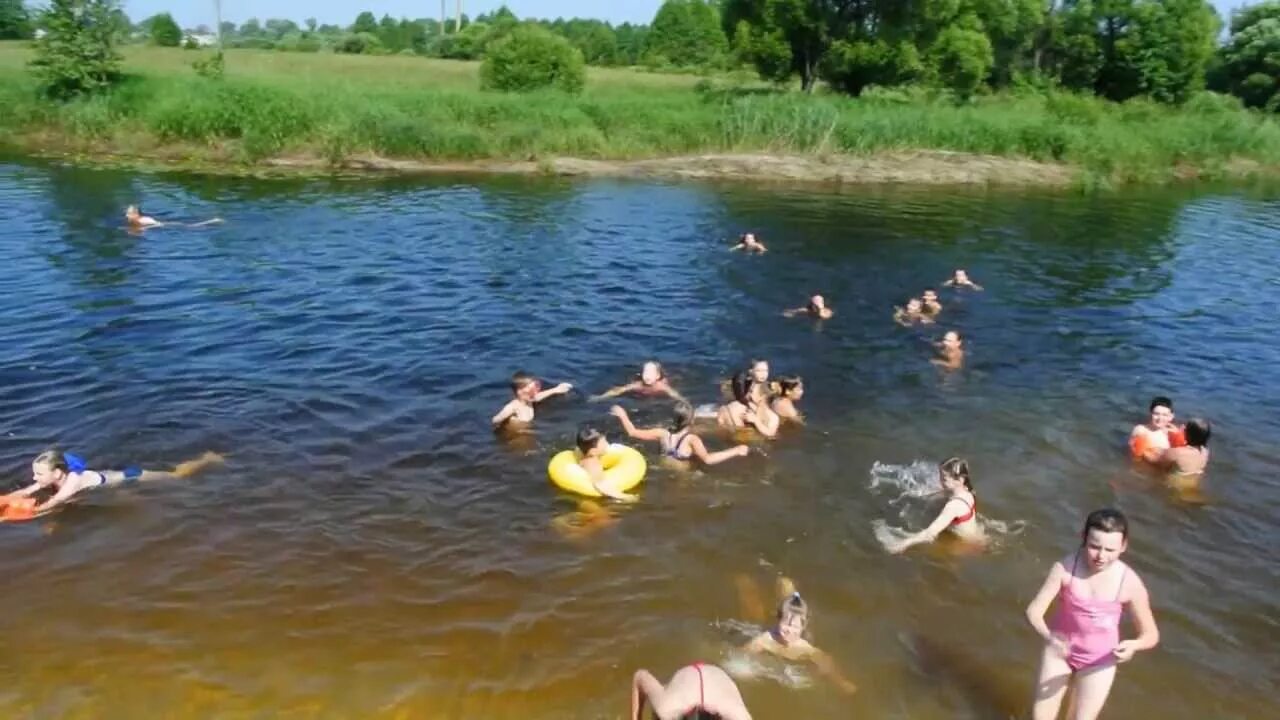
<point>1138,446</point>
<point>1178,437</point>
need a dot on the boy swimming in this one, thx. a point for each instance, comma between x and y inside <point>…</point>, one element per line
<point>961,279</point>
<point>528,391</point>
<point>817,308</point>
<point>749,243</point>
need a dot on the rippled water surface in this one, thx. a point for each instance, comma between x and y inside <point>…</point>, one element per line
<point>371,549</point>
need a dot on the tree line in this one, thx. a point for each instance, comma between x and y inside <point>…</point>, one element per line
<point>1167,50</point>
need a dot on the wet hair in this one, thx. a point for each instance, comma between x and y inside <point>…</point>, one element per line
<point>787,383</point>
<point>1197,432</point>
<point>793,604</point>
<point>700,714</point>
<point>741,385</point>
<point>927,291</point>
<point>681,417</point>
<point>813,307</point>
<point>956,468</point>
<point>1107,520</point>
<point>756,361</point>
<point>662,374</point>
<point>1161,401</point>
<point>54,458</point>
<point>588,438</point>
<point>521,380</point>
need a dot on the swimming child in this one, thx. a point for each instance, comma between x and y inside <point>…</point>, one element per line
<point>959,514</point>
<point>1082,643</point>
<point>911,314</point>
<point>929,302</point>
<point>961,279</point>
<point>67,476</point>
<point>790,388</point>
<point>678,441</point>
<point>1187,461</point>
<point>750,406</point>
<point>592,446</point>
<point>786,638</point>
<point>817,308</point>
<point>651,381</point>
<point>749,243</point>
<point>138,221</point>
<point>950,351</point>
<point>1148,440</point>
<point>695,692</point>
<point>528,391</point>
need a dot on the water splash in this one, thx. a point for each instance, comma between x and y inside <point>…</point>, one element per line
<point>914,483</point>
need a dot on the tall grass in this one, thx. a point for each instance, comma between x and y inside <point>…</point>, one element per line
<point>404,107</point>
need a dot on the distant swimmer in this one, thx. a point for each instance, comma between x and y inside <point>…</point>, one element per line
<point>786,638</point>
<point>678,440</point>
<point>138,222</point>
<point>63,476</point>
<point>1149,440</point>
<point>950,351</point>
<point>652,380</point>
<point>748,243</point>
<point>790,388</point>
<point>1082,644</point>
<point>959,514</point>
<point>528,391</point>
<point>696,692</point>
<point>960,279</point>
<point>817,309</point>
<point>912,314</point>
<point>929,302</point>
<point>749,407</point>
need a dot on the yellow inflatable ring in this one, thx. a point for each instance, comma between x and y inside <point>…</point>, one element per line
<point>623,466</point>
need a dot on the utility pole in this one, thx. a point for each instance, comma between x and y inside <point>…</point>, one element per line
<point>443,28</point>
<point>217,11</point>
<point>457,17</point>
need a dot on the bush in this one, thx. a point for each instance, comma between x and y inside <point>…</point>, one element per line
<point>77,53</point>
<point>211,67</point>
<point>531,58</point>
<point>361,43</point>
<point>165,31</point>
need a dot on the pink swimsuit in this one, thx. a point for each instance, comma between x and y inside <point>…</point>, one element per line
<point>1091,626</point>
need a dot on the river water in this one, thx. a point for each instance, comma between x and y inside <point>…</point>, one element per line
<point>372,550</point>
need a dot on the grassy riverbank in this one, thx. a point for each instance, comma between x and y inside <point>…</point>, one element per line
<point>319,109</point>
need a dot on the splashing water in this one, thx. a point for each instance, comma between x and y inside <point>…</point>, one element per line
<point>919,481</point>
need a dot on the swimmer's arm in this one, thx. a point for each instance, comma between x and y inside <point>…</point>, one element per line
<point>27,491</point>
<point>1140,605</point>
<point>560,389</point>
<point>714,458</point>
<point>674,394</point>
<point>792,312</point>
<point>949,282</point>
<point>758,644</point>
<point>827,666</point>
<point>766,422</point>
<point>930,533</point>
<point>1039,604</point>
<point>616,391</point>
<point>651,434</point>
<point>644,688</point>
<point>64,494</point>
<point>504,414</point>
<point>974,285</point>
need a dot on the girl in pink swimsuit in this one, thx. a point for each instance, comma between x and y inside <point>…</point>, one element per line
<point>1083,645</point>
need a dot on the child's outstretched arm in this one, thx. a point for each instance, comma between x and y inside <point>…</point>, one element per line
<point>651,434</point>
<point>714,458</point>
<point>26,491</point>
<point>950,511</point>
<point>560,389</point>
<point>614,392</point>
<point>827,666</point>
<point>504,414</point>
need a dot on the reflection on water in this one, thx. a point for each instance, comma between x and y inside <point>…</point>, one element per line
<point>372,550</point>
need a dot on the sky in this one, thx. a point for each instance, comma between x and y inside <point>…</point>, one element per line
<point>190,13</point>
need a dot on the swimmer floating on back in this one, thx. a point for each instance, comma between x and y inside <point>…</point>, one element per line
<point>950,351</point>
<point>651,381</point>
<point>528,391</point>
<point>678,441</point>
<point>790,388</point>
<point>137,221</point>
<point>695,692</point>
<point>960,279</point>
<point>67,477</point>
<point>749,243</point>
<point>592,445</point>
<point>1082,643</point>
<point>817,308</point>
<point>786,638</point>
<point>912,314</point>
<point>959,515</point>
<point>749,407</point>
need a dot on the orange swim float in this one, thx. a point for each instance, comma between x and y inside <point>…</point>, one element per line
<point>16,509</point>
<point>1140,444</point>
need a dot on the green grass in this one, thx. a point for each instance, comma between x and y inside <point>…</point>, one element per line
<point>333,106</point>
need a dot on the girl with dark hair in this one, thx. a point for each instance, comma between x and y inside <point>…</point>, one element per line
<point>750,406</point>
<point>790,388</point>
<point>959,514</point>
<point>1082,643</point>
<point>679,443</point>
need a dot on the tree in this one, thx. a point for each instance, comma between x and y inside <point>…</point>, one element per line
<point>962,57</point>
<point>530,58</point>
<point>163,30</point>
<point>365,23</point>
<point>15,24</point>
<point>686,33</point>
<point>77,53</point>
<point>783,38</point>
<point>1248,66</point>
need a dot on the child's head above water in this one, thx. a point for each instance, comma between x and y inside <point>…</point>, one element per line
<point>49,467</point>
<point>914,305</point>
<point>1197,432</point>
<point>525,386</point>
<point>951,340</point>
<point>651,372</point>
<point>960,276</point>
<point>681,417</point>
<point>791,387</point>
<point>592,442</point>
<point>760,371</point>
<point>955,470</point>
<point>1161,411</point>
<point>930,296</point>
<point>793,618</point>
<point>817,304</point>
<point>741,385</point>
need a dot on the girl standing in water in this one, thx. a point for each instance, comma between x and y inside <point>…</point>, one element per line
<point>959,515</point>
<point>1082,644</point>
<point>678,441</point>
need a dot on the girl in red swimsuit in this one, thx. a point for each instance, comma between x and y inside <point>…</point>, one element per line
<point>695,691</point>
<point>959,515</point>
